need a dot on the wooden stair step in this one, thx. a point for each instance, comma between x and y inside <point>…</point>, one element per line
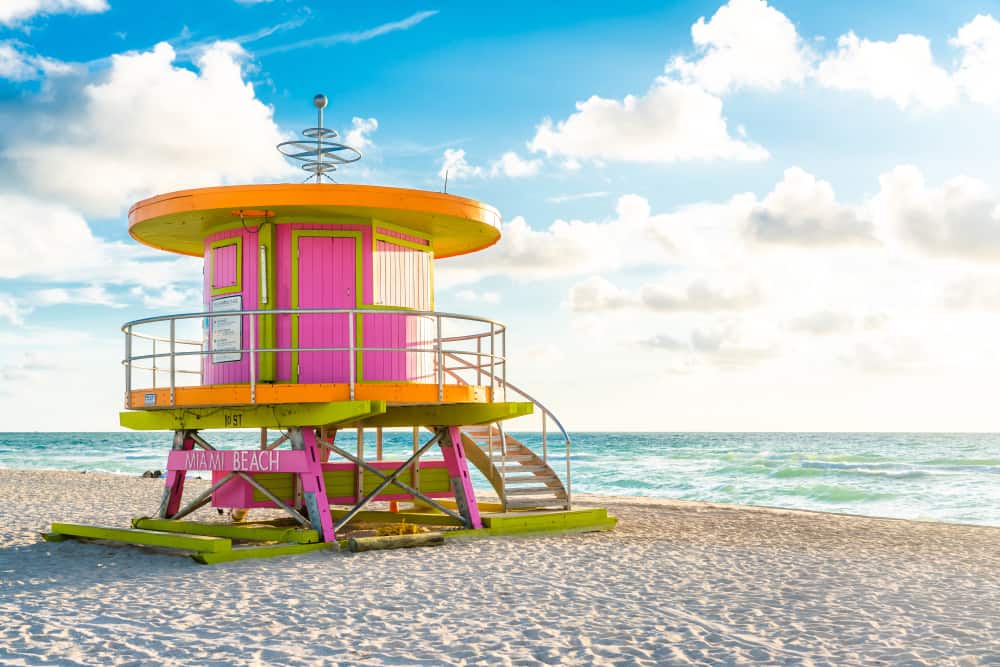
<point>521,479</point>
<point>521,468</point>
<point>151,538</point>
<point>535,491</point>
<point>514,457</point>
<point>523,503</point>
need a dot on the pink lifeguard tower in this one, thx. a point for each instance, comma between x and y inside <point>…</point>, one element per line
<point>318,324</point>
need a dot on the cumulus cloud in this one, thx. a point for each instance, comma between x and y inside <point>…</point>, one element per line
<point>699,294</point>
<point>359,136</point>
<point>95,295</point>
<point>13,12</point>
<point>823,323</point>
<point>673,121</point>
<point>513,165</point>
<point>803,210</point>
<point>973,292</point>
<point>147,126</point>
<point>456,167</point>
<point>979,39</point>
<point>886,355</point>
<point>54,243</point>
<point>746,44</point>
<point>902,71</point>
<point>959,219</point>
<point>726,346</point>
<point>11,309</point>
<point>17,64</point>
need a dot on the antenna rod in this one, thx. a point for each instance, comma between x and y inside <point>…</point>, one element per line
<point>320,101</point>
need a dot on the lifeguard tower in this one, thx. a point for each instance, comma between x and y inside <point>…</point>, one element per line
<point>318,331</point>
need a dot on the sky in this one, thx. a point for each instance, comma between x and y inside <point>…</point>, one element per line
<point>747,216</point>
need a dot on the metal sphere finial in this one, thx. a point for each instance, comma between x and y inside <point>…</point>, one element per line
<point>319,101</point>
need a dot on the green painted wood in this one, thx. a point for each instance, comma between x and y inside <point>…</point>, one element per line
<point>249,531</point>
<point>152,538</point>
<point>448,414</point>
<point>251,416</point>
<point>270,551</point>
<point>54,537</point>
<point>423,519</point>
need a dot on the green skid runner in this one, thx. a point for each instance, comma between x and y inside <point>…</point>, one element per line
<point>210,543</point>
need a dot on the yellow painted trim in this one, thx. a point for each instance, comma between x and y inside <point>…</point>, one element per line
<point>402,230</point>
<point>228,289</point>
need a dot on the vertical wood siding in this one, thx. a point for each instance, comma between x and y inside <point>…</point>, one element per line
<point>232,371</point>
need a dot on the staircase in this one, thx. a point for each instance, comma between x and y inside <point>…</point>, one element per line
<point>521,478</point>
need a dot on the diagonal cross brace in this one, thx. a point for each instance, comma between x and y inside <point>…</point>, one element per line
<point>401,484</point>
<point>389,479</point>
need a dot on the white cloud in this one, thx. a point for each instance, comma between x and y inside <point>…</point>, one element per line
<point>977,72</point>
<point>746,44</point>
<point>358,136</point>
<point>18,65</point>
<point>887,355</point>
<point>513,165</point>
<point>58,245</point>
<point>959,219</point>
<point>823,323</point>
<point>698,294</point>
<point>456,167</point>
<point>673,121</point>
<point>13,12</point>
<point>475,296</point>
<point>149,127</point>
<point>729,346</point>
<point>902,71</point>
<point>96,295</point>
<point>803,210</point>
<point>11,309</point>
<point>973,292</point>
<point>560,199</point>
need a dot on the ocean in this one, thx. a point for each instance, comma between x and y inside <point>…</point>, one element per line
<point>929,476</point>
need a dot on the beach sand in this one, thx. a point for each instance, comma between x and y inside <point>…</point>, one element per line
<point>675,583</point>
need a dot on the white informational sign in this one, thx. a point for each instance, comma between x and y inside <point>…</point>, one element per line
<point>227,332</point>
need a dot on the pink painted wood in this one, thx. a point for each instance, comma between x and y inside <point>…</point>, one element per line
<point>174,485</point>
<point>223,266</point>
<point>461,483</point>
<point>244,460</point>
<point>327,279</point>
<point>233,371</point>
<point>314,490</point>
<point>238,493</point>
<point>283,283</point>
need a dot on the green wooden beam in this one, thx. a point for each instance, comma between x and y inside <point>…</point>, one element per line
<point>249,531</point>
<point>447,414</point>
<point>375,516</point>
<point>270,551</point>
<point>251,416</point>
<point>151,538</point>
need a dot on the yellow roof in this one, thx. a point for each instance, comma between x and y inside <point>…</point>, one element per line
<point>180,221</point>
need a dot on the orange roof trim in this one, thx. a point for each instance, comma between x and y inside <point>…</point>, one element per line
<point>180,221</point>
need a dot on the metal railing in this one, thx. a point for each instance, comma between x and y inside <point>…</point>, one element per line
<point>546,415</point>
<point>454,354</point>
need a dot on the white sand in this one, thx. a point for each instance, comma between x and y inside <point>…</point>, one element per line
<point>676,583</point>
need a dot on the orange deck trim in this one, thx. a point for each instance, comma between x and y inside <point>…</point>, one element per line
<point>269,394</point>
<point>180,221</point>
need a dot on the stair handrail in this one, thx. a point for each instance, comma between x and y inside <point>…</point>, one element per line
<point>545,412</point>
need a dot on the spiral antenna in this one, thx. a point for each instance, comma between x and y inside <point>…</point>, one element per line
<point>318,154</point>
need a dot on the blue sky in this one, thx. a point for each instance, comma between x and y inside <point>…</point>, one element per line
<point>720,216</point>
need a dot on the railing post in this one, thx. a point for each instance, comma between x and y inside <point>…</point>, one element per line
<point>479,361</point>
<point>440,361</point>
<point>155,369</point>
<point>350,352</point>
<point>493,361</point>
<point>545,441</point>
<point>173,349</point>
<point>569,481</point>
<point>128,368</point>
<point>253,358</point>
<point>503,356</point>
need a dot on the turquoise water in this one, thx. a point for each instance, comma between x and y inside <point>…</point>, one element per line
<point>943,477</point>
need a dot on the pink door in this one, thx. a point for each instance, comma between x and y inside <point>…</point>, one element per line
<point>327,279</point>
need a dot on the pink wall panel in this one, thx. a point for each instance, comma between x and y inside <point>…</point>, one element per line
<point>326,280</point>
<point>283,257</point>
<point>223,265</point>
<point>234,371</point>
